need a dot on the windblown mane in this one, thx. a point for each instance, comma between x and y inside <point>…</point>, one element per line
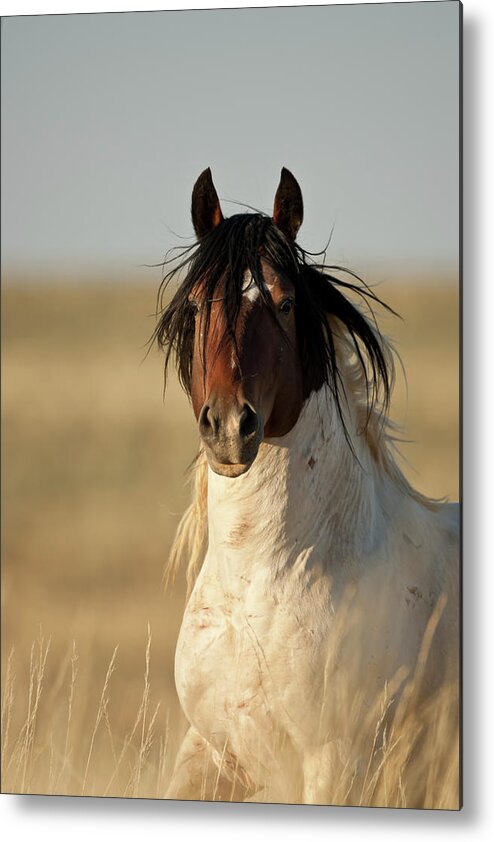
<point>239,243</point>
<point>340,344</point>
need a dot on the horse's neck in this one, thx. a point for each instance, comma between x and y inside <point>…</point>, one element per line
<point>306,500</point>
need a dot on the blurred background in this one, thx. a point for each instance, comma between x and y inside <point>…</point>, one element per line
<point>107,120</point>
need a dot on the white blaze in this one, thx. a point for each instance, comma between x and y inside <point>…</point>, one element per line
<point>250,289</point>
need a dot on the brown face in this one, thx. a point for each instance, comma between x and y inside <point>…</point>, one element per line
<point>240,397</point>
<point>249,389</point>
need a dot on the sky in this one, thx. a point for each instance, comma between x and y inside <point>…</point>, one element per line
<point>108,119</point>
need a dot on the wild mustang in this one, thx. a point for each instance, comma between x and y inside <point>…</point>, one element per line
<point>325,580</point>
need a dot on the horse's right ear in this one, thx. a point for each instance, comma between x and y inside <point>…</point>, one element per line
<point>206,210</point>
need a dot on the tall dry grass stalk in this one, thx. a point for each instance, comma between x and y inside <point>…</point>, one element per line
<point>21,757</point>
<point>60,748</point>
<point>101,714</point>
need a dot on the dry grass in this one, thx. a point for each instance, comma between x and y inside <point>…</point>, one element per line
<point>93,476</point>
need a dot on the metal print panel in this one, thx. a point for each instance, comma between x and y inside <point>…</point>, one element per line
<point>247,591</point>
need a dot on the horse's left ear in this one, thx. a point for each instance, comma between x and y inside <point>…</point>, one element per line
<point>288,211</point>
<point>206,210</point>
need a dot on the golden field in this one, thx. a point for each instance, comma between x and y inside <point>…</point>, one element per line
<point>94,466</point>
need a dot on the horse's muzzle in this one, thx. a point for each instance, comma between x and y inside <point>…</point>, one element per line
<point>231,434</point>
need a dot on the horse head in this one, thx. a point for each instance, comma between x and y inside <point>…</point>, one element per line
<point>251,326</point>
<point>246,379</point>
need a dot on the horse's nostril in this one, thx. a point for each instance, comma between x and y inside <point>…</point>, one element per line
<point>208,424</point>
<point>218,425</point>
<point>248,421</point>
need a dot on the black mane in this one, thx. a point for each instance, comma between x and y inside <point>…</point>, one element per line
<point>238,243</point>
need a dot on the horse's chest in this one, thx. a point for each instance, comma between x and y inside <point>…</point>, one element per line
<point>243,666</point>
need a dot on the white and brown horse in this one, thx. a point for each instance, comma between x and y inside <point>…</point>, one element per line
<point>320,567</point>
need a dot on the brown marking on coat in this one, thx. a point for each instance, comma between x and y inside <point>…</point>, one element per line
<point>238,533</point>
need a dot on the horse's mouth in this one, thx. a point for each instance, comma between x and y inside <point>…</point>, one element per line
<point>227,469</point>
<point>230,457</point>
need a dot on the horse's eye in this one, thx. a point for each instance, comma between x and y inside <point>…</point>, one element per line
<point>286,306</point>
<point>194,306</point>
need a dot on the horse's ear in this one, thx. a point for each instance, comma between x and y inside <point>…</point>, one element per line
<point>206,211</point>
<point>288,211</point>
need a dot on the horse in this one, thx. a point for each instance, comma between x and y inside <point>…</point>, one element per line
<point>320,579</point>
